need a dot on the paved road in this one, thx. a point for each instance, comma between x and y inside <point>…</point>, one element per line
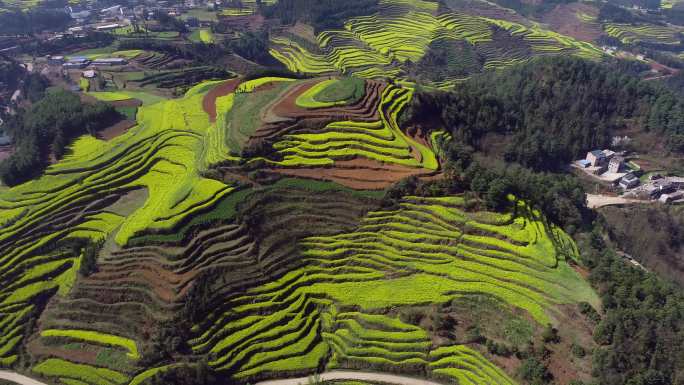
<point>596,201</point>
<point>351,375</point>
<point>18,378</point>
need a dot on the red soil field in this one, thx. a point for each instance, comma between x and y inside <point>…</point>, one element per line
<point>358,173</point>
<point>209,101</point>
<point>117,129</point>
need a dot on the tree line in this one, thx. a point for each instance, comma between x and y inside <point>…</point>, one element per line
<point>19,22</point>
<point>321,14</point>
<point>551,110</point>
<point>641,330</point>
<point>47,127</point>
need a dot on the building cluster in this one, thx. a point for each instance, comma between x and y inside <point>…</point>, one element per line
<point>608,166</point>
<point>611,167</point>
<point>666,189</point>
<point>80,62</point>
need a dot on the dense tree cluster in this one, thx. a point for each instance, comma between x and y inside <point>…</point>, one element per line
<point>654,234</point>
<point>552,110</point>
<point>613,13</point>
<point>34,21</point>
<point>92,39</point>
<point>321,14</point>
<point>642,330</point>
<point>169,23</point>
<point>252,46</point>
<point>559,196</point>
<point>46,128</point>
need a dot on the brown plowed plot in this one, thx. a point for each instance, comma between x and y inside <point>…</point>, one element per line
<point>358,173</point>
<point>223,89</point>
<point>115,130</point>
<point>285,116</point>
<point>364,110</point>
<point>127,103</point>
<point>487,9</point>
<point>565,19</point>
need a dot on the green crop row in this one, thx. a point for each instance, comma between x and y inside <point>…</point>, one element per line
<point>96,337</point>
<point>276,325</point>
<point>54,367</point>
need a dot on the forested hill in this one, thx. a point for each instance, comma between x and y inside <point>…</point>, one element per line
<point>554,109</point>
<point>321,14</point>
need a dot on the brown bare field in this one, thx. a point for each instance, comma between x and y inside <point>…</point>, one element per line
<point>365,109</point>
<point>358,173</point>
<point>127,103</point>
<point>117,129</point>
<point>209,101</point>
<point>564,19</point>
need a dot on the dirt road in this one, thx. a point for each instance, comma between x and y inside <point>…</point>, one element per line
<point>351,375</point>
<point>18,378</point>
<point>595,201</point>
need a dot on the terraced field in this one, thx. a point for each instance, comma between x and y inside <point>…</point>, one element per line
<point>380,45</point>
<point>359,144</point>
<point>429,250</point>
<point>258,275</point>
<point>244,8</point>
<point>648,33</point>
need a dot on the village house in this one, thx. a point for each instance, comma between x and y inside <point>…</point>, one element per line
<point>112,61</point>
<point>615,164</point>
<point>55,60</point>
<point>76,62</point>
<point>669,198</point>
<point>629,181</point>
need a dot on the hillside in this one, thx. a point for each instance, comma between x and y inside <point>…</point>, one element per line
<point>266,300</point>
<point>341,193</point>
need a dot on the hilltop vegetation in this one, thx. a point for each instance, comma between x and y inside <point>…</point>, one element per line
<point>552,110</point>
<point>48,127</point>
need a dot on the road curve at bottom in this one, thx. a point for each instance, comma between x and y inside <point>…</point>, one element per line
<point>352,375</point>
<point>18,378</point>
<point>327,376</point>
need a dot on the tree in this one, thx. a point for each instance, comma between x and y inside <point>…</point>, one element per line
<point>550,334</point>
<point>534,372</point>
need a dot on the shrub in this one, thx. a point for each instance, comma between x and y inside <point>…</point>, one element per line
<point>550,334</point>
<point>534,372</point>
<point>578,351</point>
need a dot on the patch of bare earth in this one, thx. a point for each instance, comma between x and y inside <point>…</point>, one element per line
<point>223,89</point>
<point>565,19</point>
<point>116,129</point>
<point>83,356</point>
<point>573,328</point>
<point>358,173</point>
<point>364,109</point>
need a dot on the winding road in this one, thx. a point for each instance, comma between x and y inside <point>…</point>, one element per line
<point>327,376</point>
<point>352,375</point>
<point>18,378</point>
